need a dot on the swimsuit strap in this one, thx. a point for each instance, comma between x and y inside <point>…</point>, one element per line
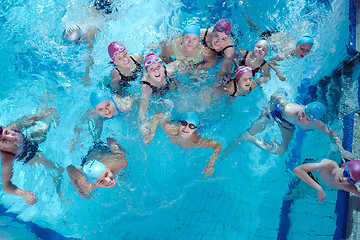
<point>204,39</point>
<point>235,87</point>
<point>243,60</point>
<point>228,46</point>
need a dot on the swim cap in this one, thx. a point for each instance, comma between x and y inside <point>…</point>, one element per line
<point>241,71</point>
<point>315,110</point>
<point>191,117</point>
<point>354,169</point>
<point>73,33</point>
<point>192,28</point>
<point>150,59</point>
<point>223,26</point>
<point>93,170</point>
<point>264,43</point>
<point>306,38</point>
<point>114,49</point>
<point>97,97</point>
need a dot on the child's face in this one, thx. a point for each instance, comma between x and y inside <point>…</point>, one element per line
<point>9,138</point>
<point>122,59</point>
<point>303,49</point>
<point>260,51</point>
<point>106,179</point>
<point>190,41</point>
<point>106,109</point>
<point>218,39</point>
<point>186,129</point>
<point>156,72</point>
<point>245,81</point>
<point>340,177</point>
<point>302,118</point>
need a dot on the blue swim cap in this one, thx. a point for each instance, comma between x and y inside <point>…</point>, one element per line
<point>315,110</point>
<point>192,28</point>
<point>97,97</point>
<point>93,170</point>
<point>306,38</point>
<point>191,117</point>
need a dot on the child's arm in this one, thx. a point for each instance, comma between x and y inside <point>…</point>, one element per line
<point>8,187</point>
<point>144,105</point>
<point>173,66</point>
<point>120,161</point>
<point>302,170</point>
<point>31,119</point>
<point>158,119</point>
<point>266,77</point>
<point>209,168</point>
<point>277,98</point>
<point>79,181</point>
<point>278,73</point>
<point>227,63</point>
<point>330,132</point>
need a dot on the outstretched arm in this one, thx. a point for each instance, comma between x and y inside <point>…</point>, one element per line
<point>8,187</point>
<point>90,37</point>
<point>158,119</point>
<point>119,162</point>
<point>227,63</point>
<point>278,73</point>
<point>277,98</point>
<point>330,132</point>
<point>302,172</point>
<point>144,105</point>
<point>78,180</point>
<point>209,168</point>
<point>31,119</point>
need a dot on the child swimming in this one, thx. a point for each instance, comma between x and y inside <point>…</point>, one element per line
<point>287,116</point>
<point>127,68</point>
<point>184,135</point>
<point>16,146</point>
<point>218,44</point>
<point>157,82</point>
<point>99,167</point>
<point>255,60</point>
<point>343,178</point>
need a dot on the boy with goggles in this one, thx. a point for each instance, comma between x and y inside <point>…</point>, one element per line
<point>342,178</point>
<point>184,135</point>
<point>288,116</point>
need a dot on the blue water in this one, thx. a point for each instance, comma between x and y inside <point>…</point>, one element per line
<point>162,193</point>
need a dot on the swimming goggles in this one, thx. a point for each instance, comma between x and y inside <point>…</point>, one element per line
<point>346,174</point>
<point>308,114</point>
<point>119,50</point>
<point>150,62</point>
<point>185,123</point>
<point>221,29</point>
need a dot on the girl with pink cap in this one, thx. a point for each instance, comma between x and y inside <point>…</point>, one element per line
<point>127,68</point>
<point>156,82</point>
<point>241,85</point>
<point>255,60</point>
<point>342,178</point>
<point>218,44</point>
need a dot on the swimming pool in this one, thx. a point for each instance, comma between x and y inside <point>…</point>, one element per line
<point>163,195</point>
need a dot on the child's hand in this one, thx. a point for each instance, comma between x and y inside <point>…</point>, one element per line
<point>321,195</point>
<point>281,76</point>
<point>29,197</point>
<point>208,170</point>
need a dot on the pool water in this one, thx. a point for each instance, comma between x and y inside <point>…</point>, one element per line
<point>162,193</point>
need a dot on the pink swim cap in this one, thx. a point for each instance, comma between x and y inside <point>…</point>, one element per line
<point>354,169</point>
<point>241,71</point>
<point>150,59</point>
<point>223,26</point>
<point>114,49</point>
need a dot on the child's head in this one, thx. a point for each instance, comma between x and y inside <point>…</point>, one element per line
<point>8,138</point>
<point>315,111</point>
<point>188,123</point>
<point>119,54</point>
<point>261,48</point>
<point>304,45</point>
<point>352,171</point>
<point>154,66</point>
<point>97,173</point>
<point>73,33</point>
<point>243,75</point>
<point>102,103</point>
<point>191,35</point>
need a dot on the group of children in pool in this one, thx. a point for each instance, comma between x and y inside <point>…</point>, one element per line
<point>103,161</point>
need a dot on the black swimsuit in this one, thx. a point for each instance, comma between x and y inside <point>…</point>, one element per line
<point>219,54</point>
<point>159,91</point>
<point>97,147</point>
<point>125,80</point>
<point>243,63</point>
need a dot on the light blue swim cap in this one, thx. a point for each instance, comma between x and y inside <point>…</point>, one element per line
<point>191,117</point>
<point>93,170</point>
<point>192,28</point>
<point>306,38</point>
<point>315,110</point>
<point>97,97</point>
